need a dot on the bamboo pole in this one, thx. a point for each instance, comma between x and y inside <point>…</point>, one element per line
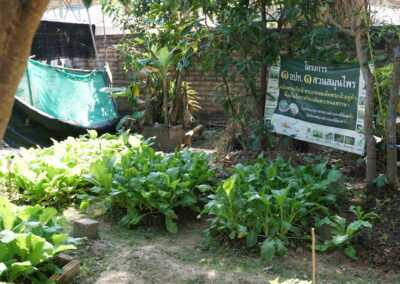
<point>314,257</point>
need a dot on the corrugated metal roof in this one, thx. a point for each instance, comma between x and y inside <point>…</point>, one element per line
<point>387,12</point>
<point>78,14</point>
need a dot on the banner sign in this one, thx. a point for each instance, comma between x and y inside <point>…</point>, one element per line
<point>317,103</point>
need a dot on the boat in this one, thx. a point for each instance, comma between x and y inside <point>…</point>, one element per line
<point>55,102</point>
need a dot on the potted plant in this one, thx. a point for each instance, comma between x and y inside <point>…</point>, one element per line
<point>169,101</point>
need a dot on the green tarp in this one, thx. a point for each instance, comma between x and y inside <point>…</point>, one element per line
<point>68,95</point>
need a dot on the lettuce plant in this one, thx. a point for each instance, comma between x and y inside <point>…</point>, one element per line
<point>55,175</point>
<point>30,236</point>
<point>122,171</point>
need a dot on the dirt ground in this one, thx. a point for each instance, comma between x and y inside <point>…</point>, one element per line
<point>151,255</point>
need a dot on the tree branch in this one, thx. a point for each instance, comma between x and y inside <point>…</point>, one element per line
<point>333,22</point>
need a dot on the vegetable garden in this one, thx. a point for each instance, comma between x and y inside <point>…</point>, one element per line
<point>245,210</point>
<point>265,205</point>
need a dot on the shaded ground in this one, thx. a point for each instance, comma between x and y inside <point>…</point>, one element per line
<point>383,244</point>
<point>151,255</point>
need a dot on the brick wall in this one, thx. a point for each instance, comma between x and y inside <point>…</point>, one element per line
<point>106,52</point>
<point>205,84</point>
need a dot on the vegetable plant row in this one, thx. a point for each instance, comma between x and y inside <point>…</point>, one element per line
<point>274,204</point>
<point>267,204</point>
<point>113,172</point>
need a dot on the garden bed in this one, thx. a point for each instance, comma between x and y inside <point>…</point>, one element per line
<point>259,206</point>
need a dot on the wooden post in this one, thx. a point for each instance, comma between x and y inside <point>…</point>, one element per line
<point>314,257</point>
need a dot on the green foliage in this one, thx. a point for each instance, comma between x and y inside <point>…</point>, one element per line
<point>123,172</point>
<point>56,175</point>
<point>143,182</point>
<point>235,40</point>
<point>343,233</point>
<point>30,236</point>
<point>324,44</point>
<point>381,181</point>
<point>383,85</point>
<point>272,202</point>
<point>166,36</point>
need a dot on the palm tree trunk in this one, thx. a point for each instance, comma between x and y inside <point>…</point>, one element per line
<point>19,21</point>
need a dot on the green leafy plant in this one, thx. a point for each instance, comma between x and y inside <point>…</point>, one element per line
<point>114,172</point>
<point>30,236</point>
<point>167,37</point>
<point>381,180</point>
<point>56,175</point>
<point>143,182</point>
<point>344,233</point>
<point>269,203</point>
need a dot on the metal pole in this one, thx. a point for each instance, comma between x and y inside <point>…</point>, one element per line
<point>29,84</point>
<point>91,32</point>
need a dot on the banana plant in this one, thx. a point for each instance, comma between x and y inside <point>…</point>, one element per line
<point>160,62</point>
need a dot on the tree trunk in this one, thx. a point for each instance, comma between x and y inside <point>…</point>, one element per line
<point>264,68</point>
<point>391,166</point>
<point>369,106</point>
<point>165,101</point>
<point>177,110</point>
<point>18,20</point>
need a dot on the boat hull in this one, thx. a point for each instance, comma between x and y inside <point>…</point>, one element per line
<point>31,127</point>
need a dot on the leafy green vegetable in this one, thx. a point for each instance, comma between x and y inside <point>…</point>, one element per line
<point>113,171</point>
<point>343,233</point>
<point>270,202</point>
<point>57,175</point>
<point>30,236</point>
<point>146,183</point>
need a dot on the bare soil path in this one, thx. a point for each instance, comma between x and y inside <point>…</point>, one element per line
<point>151,255</point>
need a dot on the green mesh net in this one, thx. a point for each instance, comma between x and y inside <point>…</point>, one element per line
<point>68,95</point>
